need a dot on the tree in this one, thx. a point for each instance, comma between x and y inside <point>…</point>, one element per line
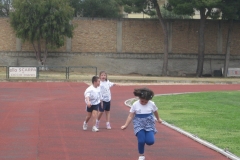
<point>230,10</point>
<point>150,7</point>
<point>44,22</point>
<point>5,7</point>
<point>165,32</point>
<point>76,5</point>
<point>96,8</point>
<point>171,15</point>
<point>206,9</point>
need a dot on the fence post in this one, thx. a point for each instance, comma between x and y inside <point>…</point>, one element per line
<point>66,72</point>
<point>7,72</point>
<point>37,72</point>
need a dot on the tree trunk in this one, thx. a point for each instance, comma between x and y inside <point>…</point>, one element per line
<point>228,48</point>
<point>36,52</point>
<point>39,51</point>
<point>45,57</point>
<point>201,43</point>
<point>165,32</point>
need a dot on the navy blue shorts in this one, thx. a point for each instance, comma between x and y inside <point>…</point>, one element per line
<point>106,106</point>
<point>93,107</point>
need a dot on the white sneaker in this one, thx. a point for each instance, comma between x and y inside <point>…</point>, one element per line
<point>108,126</point>
<point>94,129</point>
<point>84,126</point>
<point>141,158</point>
<point>97,124</point>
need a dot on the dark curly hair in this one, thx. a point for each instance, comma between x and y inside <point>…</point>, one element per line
<point>144,93</point>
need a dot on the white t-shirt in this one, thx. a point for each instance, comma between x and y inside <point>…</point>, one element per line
<point>93,94</point>
<point>138,108</point>
<point>105,90</point>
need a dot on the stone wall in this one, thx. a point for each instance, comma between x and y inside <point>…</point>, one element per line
<point>7,37</point>
<point>94,35</point>
<point>133,36</point>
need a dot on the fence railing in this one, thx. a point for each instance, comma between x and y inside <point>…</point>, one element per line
<point>47,72</point>
<point>3,72</point>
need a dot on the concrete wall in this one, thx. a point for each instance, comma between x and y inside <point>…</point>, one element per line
<point>124,63</point>
<point>124,46</point>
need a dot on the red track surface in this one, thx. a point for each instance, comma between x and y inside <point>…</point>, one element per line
<point>43,121</point>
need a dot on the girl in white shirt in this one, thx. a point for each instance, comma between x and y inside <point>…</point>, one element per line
<point>141,113</point>
<point>105,86</point>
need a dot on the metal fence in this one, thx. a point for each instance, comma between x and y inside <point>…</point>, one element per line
<point>49,72</point>
<point>3,72</point>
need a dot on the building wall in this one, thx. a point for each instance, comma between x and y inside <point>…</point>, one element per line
<point>94,35</point>
<point>136,36</point>
<point>124,46</point>
<point>7,37</point>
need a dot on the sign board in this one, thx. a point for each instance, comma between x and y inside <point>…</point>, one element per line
<point>24,72</point>
<point>233,72</point>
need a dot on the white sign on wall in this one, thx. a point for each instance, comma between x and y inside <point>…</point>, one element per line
<point>23,72</point>
<point>233,72</point>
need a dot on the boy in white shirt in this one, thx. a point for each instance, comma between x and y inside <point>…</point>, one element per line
<point>93,100</point>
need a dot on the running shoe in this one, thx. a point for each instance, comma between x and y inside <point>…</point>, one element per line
<point>141,158</point>
<point>108,126</point>
<point>94,129</point>
<point>84,126</point>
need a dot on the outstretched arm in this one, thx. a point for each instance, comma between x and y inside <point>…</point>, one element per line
<point>129,119</point>
<point>111,84</point>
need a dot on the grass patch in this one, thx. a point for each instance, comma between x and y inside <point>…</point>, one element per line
<point>212,116</point>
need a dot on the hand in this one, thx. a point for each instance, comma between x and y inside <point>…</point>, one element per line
<point>123,127</point>
<point>89,104</point>
<point>159,120</point>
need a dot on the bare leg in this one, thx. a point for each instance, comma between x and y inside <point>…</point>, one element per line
<point>95,115</point>
<point>107,116</point>
<point>99,115</point>
<point>88,116</point>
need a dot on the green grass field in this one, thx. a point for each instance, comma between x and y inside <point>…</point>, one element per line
<point>212,116</point>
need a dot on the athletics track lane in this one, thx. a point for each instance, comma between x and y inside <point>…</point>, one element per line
<point>43,121</point>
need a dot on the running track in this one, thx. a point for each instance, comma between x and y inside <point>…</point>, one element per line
<point>43,121</point>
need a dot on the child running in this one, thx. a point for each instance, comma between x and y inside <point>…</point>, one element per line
<point>92,98</point>
<point>105,86</point>
<point>141,113</point>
